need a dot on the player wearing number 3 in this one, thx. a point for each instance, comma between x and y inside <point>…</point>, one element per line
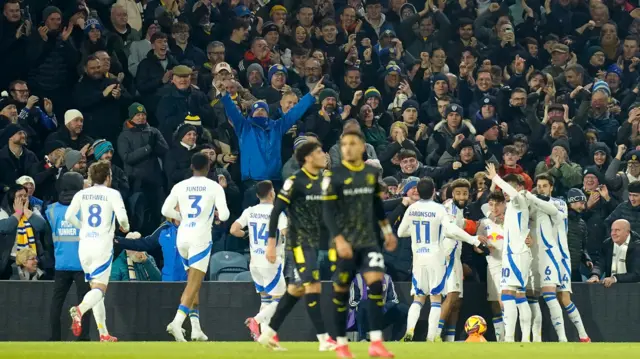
<point>197,198</point>
<point>92,210</point>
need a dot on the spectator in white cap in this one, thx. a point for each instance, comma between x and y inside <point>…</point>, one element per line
<point>71,133</point>
<point>30,185</point>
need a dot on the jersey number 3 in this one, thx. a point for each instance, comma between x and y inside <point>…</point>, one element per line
<point>195,205</point>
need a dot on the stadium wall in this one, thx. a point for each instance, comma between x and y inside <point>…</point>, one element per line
<point>141,311</point>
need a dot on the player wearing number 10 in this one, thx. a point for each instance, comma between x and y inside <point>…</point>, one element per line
<point>93,211</point>
<point>197,198</point>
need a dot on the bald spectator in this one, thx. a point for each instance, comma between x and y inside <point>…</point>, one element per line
<point>620,259</point>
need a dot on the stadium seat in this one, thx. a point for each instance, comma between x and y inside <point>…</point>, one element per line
<point>243,277</point>
<point>227,263</point>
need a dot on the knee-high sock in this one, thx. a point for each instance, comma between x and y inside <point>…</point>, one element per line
<point>434,319</point>
<point>100,315</point>
<point>574,316</point>
<point>510,316</point>
<point>312,300</point>
<point>536,319</point>
<point>194,317</point>
<point>267,311</point>
<point>376,315</point>
<point>525,318</point>
<point>265,301</point>
<point>555,311</point>
<point>414,315</point>
<point>498,325</point>
<point>340,314</point>
<point>181,315</point>
<point>93,297</point>
<point>286,304</point>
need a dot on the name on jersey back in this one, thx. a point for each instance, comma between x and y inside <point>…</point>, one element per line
<point>94,197</point>
<point>358,191</point>
<point>422,214</point>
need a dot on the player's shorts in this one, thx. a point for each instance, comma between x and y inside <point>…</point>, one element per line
<point>493,284</point>
<point>565,276</point>
<point>291,275</point>
<point>195,253</point>
<point>515,271</point>
<point>455,275</point>
<point>365,259</point>
<point>428,279</point>
<point>306,259</point>
<point>96,265</point>
<point>548,271</point>
<point>269,280</point>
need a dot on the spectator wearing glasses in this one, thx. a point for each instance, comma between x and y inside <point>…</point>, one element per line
<point>26,266</point>
<point>182,49</point>
<point>215,55</point>
<point>34,113</point>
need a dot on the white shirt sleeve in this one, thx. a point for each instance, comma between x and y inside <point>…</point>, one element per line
<point>283,222</point>
<point>120,210</point>
<point>546,207</point>
<point>71,214</point>
<point>452,231</point>
<point>505,186</point>
<point>169,206</point>
<point>243,220</point>
<point>221,204</point>
<point>404,230</point>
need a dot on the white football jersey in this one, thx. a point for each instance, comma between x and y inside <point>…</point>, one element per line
<point>457,217</point>
<point>516,218</point>
<point>256,218</point>
<point>197,197</point>
<point>99,207</point>
<point>495,239</point>
<point>427,223</point>
<point>561,224</point>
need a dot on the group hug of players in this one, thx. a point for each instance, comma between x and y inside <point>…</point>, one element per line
<point>523,264</point>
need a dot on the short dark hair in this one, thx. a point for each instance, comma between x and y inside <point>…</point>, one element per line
<point>327,22</point>
<point>91,58</point>
<point>496,196</point>
<point>483,70</point>
<point>237,24</point>
<point>406,153</point>
<point>632,38</point>
<point>263,188</point>
<point>158,36</point>
<point>460,183</point>
<point>521,138</point>
<point>510,149</point>
<point>356,133</point>
<point>199,161</point>
<point>305,150</point>
<point>465,21</point>
<point>530,41</point>
<point>514,178</point>
<point>546,177</point>
<point>99,172</point>
<point>426,187</point>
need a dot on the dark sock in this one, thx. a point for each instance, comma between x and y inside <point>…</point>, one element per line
<point>286,304</point>
<point>376,305</point>
<point>340,312</point>
<point>313,308</point>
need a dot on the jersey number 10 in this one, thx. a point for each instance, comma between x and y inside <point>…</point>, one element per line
<point>426,226</point>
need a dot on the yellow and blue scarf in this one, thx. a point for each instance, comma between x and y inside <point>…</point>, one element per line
<point>25,237</point>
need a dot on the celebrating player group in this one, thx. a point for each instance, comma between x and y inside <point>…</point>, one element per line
<point>524,239</point>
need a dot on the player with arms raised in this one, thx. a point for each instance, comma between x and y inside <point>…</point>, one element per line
<point>516,258</point>
<point>267,276</point>
<point>196,199</point>
<point>352,197</point>
<point>301,196</point>
<point>93,210</point>
<point>424,221</point>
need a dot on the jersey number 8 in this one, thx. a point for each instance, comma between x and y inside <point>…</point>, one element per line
<point>94,215</point>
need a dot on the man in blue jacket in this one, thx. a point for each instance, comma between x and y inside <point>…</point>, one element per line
<point>165,238</point>
<point>65,243</point>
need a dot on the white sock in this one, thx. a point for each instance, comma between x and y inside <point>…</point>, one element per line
<point>555,312</point>
<point>536,319</point>
<point>322,337</point>
<point>510,316</point>
<point>266,313</point>
<point>414,316</point>
<point>498,325</point>
<point>375,335</point>
<point>90,300</point>
<point>100,315</point>
<point>434,318</point>
<point>342,341</point>
<point>181,315</point>
<point>194,317</point>
<point>574,316</point>
<point>440,327</point>
<point>450,333</point>
<point>525,318</point>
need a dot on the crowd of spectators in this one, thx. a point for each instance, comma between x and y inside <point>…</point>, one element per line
<point>438,88</point>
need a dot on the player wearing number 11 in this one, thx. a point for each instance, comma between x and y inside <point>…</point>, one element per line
<point>93,211</point>
<point>197,198</point>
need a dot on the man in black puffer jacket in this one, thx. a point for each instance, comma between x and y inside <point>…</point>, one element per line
<point>629,210</point>
<point>177,163</point>
<point>577,235</point>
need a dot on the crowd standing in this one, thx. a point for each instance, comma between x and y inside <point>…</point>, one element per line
<point>439,88</point>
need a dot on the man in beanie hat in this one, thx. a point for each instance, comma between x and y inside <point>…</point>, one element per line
<point>417,130</point>
<point>177,162</point>
<point>67,261</point>
<point>327,122</point>
<point>255,77</point>
<point>577,234</point>
<point>103,151</point>
<point>599,116</point>
<point>618,180</point>
<point>15,158</point>
<point>465,158</point>
<point>75,161</point>
<point>260,138</point>
<point>277,85</point>
<point>71,134</point>
<point>48,170</point>
<point>565,173</point>
<point>444,133</point>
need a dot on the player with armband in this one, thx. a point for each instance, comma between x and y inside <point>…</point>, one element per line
<point>197,198</point>
<point>94,211</point>
<point>516,257</point>
<point>428,223</point>
<point>267,276</point>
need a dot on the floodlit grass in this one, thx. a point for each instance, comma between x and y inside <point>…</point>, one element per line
<point>228,350</point>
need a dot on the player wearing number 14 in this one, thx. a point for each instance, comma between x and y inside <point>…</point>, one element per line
<point>93,210</point>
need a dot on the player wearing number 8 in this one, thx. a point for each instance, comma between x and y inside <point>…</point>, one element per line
<point>94,211</point>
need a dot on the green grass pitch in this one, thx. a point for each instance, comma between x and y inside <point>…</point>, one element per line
<point>228,350</point>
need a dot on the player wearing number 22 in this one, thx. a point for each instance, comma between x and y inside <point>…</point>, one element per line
<point>93,211</point>
<point>196,199</point>
<point>352,196</point>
